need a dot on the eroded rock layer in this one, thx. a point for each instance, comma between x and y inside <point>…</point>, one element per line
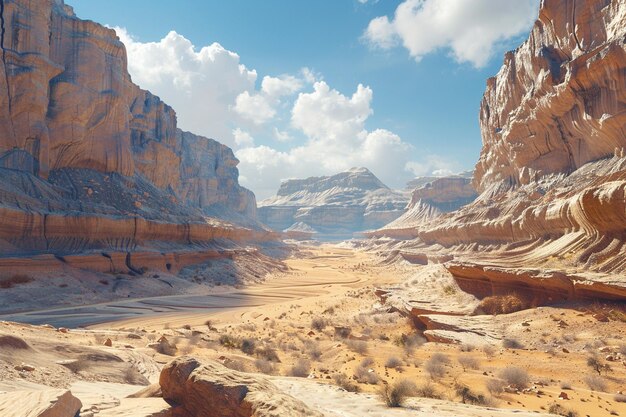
<point>90,161</point>
<point>552,172</point>
<point>333,207</point>
<point>559,100</point>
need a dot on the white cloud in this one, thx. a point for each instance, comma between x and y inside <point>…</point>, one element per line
<point>261,107</point>
<point>326,113</point>
<point>470,30</point>
<point>432,165</point>
<point>280,135</point>
<point>201,85</point>
<point>337,139</point>
<point>320,130</point>
<point>254,107</point>
<point>243,139</point>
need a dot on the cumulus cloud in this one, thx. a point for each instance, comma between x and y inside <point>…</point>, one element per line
<point>334,125</point>
<point>260,107</point>
<point>242,138</point>
<point>470,30</point>
<point>289,126</point>
<point>202,85</point>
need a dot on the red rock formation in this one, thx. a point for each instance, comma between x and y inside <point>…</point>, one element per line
<point>88,160</point>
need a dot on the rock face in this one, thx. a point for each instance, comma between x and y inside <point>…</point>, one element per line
<point>43,403</point>
<point>335,207</point>
<point>88,160</point>
<point>559,100</point>
<point>552,172</point>
<point>432,197</point>
<point>211,389</point>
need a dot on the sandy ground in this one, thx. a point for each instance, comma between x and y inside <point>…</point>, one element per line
<point>322,320</point>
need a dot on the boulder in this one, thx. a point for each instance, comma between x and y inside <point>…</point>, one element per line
<point>44,403</point>
<point>210,389</point>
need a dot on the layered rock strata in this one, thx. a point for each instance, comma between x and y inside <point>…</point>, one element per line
<point>333,207</point>
<point>90,161</point>
<point>552,172</point>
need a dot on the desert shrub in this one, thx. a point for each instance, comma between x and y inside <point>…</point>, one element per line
<point>367,362</point>
<point>342,332</point>
<point>268,353</point>
<point>77,365</point>
<point>12,281</point>
<point>595,383</point>
<point>248,346</point>
<point>301,368</point>
<point>358,346</point>
<point>619,398</point>
<point>312,349</point>
<point>495,386</point>
<point>393,362</point>
<point>248,327</point>
<point>428,391</point>
<point>468,396</point>
<point>435,369</point>
<point>515,377</point>
<point>488,350</point>
<point>559,410</point>
<point>235,365</point>
<point>595,363</point>
<point>466,347</point>
<point>468,362</point>
<point>346,383</point>
<point>410,342</point>
<point>395,394</point>
<point>440,358</point>
<point>364,376</point>
<point>502,304</point>
<point>566,385</point>
<point>318,324</point>
<point>511,343</point>
<point>229,341</point>
<point>264,366</point>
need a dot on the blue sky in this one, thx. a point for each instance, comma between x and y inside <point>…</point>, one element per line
<point>422,67</point>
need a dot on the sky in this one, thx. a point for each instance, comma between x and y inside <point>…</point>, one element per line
<point>305,88</point>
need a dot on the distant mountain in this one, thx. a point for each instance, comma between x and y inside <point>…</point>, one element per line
<point>335,207</point>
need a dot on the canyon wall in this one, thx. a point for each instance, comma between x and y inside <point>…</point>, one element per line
<point>333,207</point>
<point>552,170</point>
<point>88,160</point>
<point>559,100</point>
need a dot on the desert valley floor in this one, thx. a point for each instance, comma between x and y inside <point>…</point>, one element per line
<point>332,317</point>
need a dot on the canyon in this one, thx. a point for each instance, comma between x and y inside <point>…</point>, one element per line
<point>138,278</point>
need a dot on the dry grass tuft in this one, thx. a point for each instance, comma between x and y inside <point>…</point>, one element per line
<point>12,281</point>
<point>503,304</point>
<point>394,395</point>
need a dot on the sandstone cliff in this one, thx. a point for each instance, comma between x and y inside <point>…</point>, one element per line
<point>432,197</point>
<point>552,172</point>
<point>559,100</point>
<point>90,161</point>
<point>336,206</point>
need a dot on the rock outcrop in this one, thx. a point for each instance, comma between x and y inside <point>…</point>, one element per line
<point>40,403</point>
<point>432,197</point>
<point>208,388</point>
<point>90,161</point>
<point>559,100</point>
<point>552,172</point>
<point>335,207</point>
